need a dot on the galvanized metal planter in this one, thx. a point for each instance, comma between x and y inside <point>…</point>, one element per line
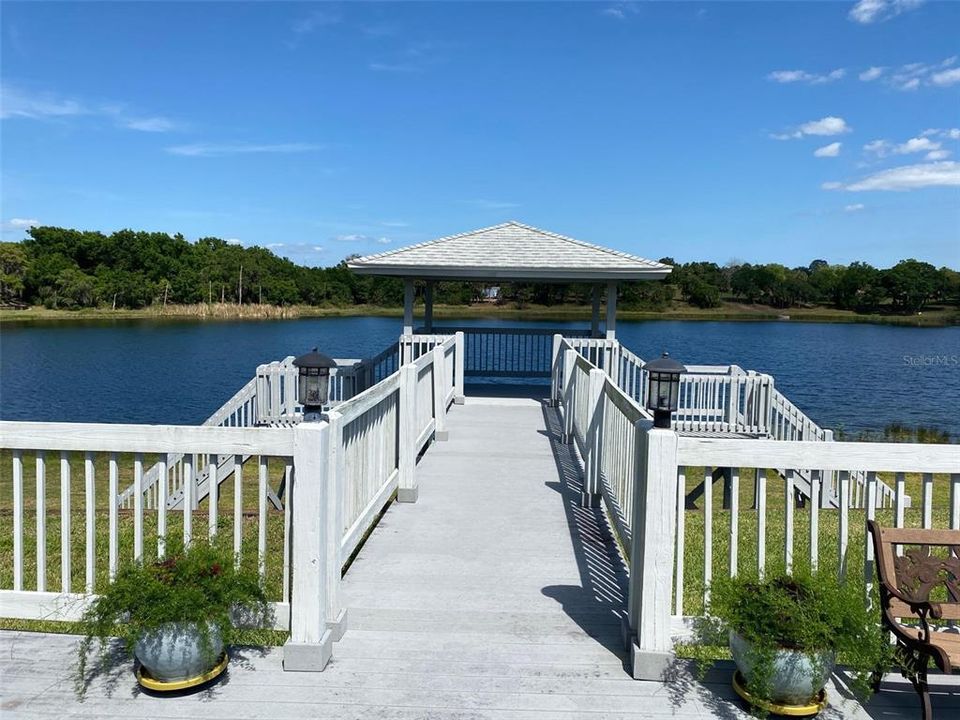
<point>176,651</point>
<point>798,677</point>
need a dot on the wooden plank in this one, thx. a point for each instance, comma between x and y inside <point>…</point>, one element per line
<point>65,545</point>
<point>262,516</point>
<point>163,473</point>
<point>238,505</point>
<point>707,532</point>
<point>213,487</point>
<point>761,521</point>
<point>844,528</point>
<point>955,501</point>
<point>927,501</point>
<point>112,529</point>
<point>681,540</point>
<point>138,507</point>
<point>41,466</point>
<point>189,488</point>
<point>91,515</point>
<point>734,519</point>
<point>903,457</point>
<point>789,503</point>
<point>871,512</point>
<point>17,520</point>
<point>816,477</point>
<point>144,438</point>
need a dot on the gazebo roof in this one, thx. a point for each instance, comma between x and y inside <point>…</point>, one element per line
<point>510,251</point>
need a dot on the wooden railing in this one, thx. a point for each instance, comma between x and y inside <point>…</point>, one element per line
<point>92,460</point>
<point>500,352</point>
<point>723,399</point>
<point>763,530</point>
<point>329,479</point>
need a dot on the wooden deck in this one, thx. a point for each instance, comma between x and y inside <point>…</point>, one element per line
<point>494,596</point>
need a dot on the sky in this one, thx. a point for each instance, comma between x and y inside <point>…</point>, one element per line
<point>723,131</point>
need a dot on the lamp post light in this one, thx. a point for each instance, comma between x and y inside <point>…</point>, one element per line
<point>663,388</point>
<point>313,383</point>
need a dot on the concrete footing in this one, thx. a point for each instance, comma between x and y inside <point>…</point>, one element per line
<point>308,657</point>
<point>407,495</point>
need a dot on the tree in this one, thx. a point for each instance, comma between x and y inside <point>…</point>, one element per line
<point>911,284</point>
<point>13,270</point>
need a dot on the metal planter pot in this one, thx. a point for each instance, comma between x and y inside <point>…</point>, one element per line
<point>798,677</point>
<point>176,651</point>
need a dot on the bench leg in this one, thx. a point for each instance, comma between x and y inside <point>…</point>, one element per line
<point>920,685</point>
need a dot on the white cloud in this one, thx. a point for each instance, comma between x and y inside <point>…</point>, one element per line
<point>220,149</point>
<point>855,207</point>
<point>871,73</point>
<point>823,127</point>
<point>24,222</point>
<point>905,177</point>
<point>17,103</point>
<point>794,76</point>
<point>937,155</point>
<point>866,12</point>
<point>880,148</point>
<point>831,150</point>
<point>912,75</point>
<point>394,223</point>
<point>357,237</point>
<point>917,144</point>
<point>384,241</point>
<point>276,245</point>
<point>149,124</point>
<point>946,77</point>
<point>233,241</point>
<point>620,10</point>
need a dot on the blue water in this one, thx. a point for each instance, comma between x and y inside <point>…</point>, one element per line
<point>859,377</point>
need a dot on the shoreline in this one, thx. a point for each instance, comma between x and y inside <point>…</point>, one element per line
<point>730,312</point>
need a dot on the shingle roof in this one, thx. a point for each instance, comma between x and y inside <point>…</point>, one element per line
<point>510,250</point>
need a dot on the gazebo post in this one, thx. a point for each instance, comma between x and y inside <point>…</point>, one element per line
<point>595,316</point>
<point>612,310</point>
<point>428,307</point>
<point>406,355</point>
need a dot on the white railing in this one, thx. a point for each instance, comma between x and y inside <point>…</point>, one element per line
<point>90,461</point>
<point>764,530</point>
<point>720,400</point>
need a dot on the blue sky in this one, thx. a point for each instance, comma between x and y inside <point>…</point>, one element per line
<point>761,132</point>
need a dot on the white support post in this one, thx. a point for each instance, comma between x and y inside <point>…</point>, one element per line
<point>407,461</point>
<point>406,348</point>
<point>310,643</point>
<point>555,370</point>
<point>440,433</point>
<point>428,307</point>
<point>336,613</point>
<point>460,364</point>
<point>590,497</point>
<point>651,551</point>
<point>595,312</point>
<point>569,362</point>
<point>612,310</point>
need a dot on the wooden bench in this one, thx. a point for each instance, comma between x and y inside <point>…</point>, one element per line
<point>906,582</point>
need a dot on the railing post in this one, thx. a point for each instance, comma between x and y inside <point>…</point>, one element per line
<point>460,364</point>
<point>828,486</point>
<point>336,612</point>
<point>768,410</point>
<point>652,551</point>
<point>570,367</point>
<point>407,436</point>
<point>590,497</point>
<point>440,432</point>
<point>555,371</point>
<point>310,643</point>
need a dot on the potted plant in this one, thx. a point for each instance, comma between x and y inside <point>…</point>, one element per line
<point>785,634</point>
<point>176,615</point>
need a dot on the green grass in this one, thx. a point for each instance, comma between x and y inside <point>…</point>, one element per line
<point>933,317</point>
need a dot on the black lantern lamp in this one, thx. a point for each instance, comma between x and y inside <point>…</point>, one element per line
<point>313,382</point>
<point>663,388</point>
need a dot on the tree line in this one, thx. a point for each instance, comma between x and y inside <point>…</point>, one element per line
<point>64,268</point>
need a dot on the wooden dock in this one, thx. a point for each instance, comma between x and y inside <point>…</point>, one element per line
<point>496,595</point>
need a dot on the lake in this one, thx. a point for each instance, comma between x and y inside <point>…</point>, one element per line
<point>858,377</point>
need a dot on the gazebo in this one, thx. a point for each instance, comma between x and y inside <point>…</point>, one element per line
<point>510,251</point>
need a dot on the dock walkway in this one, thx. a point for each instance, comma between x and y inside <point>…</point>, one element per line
<point>494,596</point>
